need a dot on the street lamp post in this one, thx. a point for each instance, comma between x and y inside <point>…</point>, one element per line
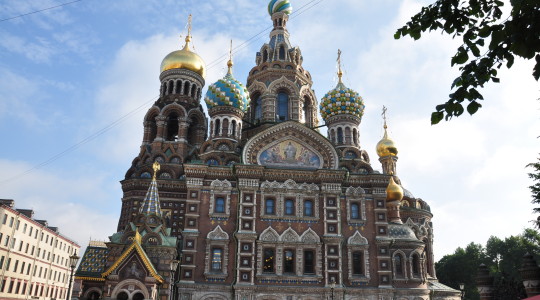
<point>462,289</point>
<point>72,264</point>
<point>174,266</point>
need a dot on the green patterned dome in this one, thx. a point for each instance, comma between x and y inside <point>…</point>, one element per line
<point>227,92</point>
<point>279,6</point>
<point>341,100</point>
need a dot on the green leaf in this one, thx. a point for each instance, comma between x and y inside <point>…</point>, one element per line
<point>436,117</point>
<point>473,107</point>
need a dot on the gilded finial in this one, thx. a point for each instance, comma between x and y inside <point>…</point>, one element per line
<point>340,73</point>
<point>230,62</point>
<point>188,36</point>
<point>156,168</point>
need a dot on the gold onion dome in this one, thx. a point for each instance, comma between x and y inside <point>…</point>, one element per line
<point>394,191</point>
<point>386,146</point>
<point>184,59</point>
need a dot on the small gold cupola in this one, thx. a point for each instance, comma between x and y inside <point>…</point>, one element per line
<point>386,146</point>
<point>394,192</point>
<point>184,58</point>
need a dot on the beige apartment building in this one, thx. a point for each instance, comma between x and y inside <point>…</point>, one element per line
<point>34,257</point>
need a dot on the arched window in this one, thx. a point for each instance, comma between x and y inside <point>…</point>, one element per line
<point>270,207</point>
<point>171,86</point>
<point>217,129</point>
<point>289,207</point>
<point>178,87</point>
<point>193,91</point>
<point>186,88</point>
<point>416,265</point>
<point>265,55</point>
<point>220,205</point>
<point>164,89</point>
<point>282,52</point>
<point>283,107</point>
<point>217,257</point>
<point>355,136</point>
<point>233,128</point>
<point>348,139</point>
<point>357,263</point>
<point>340,136</point>
<point>258,107</point>
<point>333,136</point>
<point>398,265</point>
<point>172,127</point>
<point>309,262</point>
<point>225,129</point>
<point>355,211</point>
<point>308,208</point>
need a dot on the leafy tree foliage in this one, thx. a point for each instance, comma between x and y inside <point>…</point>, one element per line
<point>535,188</point>
<point>489,41</point>
<point>504,259</point>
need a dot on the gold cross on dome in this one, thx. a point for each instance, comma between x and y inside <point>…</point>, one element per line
<point>340,73</point>
<point>384,109</point>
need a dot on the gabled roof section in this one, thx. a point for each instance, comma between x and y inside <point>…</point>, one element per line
<point>135,247</point>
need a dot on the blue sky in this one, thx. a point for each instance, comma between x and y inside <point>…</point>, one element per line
<point>67,73</point>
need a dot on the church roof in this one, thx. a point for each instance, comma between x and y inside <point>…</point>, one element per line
<point>137,248</point>
<point>93,262</point>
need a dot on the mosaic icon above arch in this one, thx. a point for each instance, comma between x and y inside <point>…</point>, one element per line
<point>290,153</point>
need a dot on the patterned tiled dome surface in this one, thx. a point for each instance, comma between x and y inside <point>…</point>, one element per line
<point>401,231</point>
<point>279,6</point>
<point>227,92</point>
<point>341,100</point>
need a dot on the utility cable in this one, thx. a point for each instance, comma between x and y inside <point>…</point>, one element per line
<point>40,10</point>
<point>129,114</point>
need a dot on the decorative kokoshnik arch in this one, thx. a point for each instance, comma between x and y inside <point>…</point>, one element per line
<point>292,145</point>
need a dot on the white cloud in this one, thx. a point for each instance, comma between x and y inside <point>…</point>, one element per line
<point>62,200</point>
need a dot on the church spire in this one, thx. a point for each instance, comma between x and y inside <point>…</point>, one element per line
<point>150,204</point>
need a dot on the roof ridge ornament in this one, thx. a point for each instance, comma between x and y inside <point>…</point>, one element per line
<point>230,62</point>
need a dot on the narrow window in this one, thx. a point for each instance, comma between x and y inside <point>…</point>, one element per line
<point>355,211</point>
<point>268,261</point>
<point>309,262</point>
<point>186,88</point>
<point>398,262</point>
<point>233,129</point>
<point>340,136</point>
<point>258,107</point>
<point>357,263</point>
<point>217,129</point>
<point>308,208</point>
<point>282,53</point>
<point>220,205</point>
<point>283,107</point>
<point>270,208</point>
<point>288,261</point>
<point>416,266</point>
<point>289,207</point>
<point>355,136</point>
<point>217,257</point>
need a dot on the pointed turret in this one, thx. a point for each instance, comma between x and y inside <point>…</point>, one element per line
<point>151,205</point>
<point>387,150</point>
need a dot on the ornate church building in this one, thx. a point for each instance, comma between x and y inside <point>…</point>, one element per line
<point>251,202</point>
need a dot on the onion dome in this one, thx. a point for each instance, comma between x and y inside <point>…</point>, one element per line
<point>393,191</point>
<point>184,58</point>
<point>341,100</point>
<point>386,146</point>
<point>227,92</point>
<point>283,6</point>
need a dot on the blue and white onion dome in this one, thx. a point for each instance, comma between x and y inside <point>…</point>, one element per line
<point>283,6</point>
<point>341,100</point>
<point>227,92</point>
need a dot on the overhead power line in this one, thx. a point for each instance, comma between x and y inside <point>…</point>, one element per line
<point>103,130</point>
<point>41,10</point>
